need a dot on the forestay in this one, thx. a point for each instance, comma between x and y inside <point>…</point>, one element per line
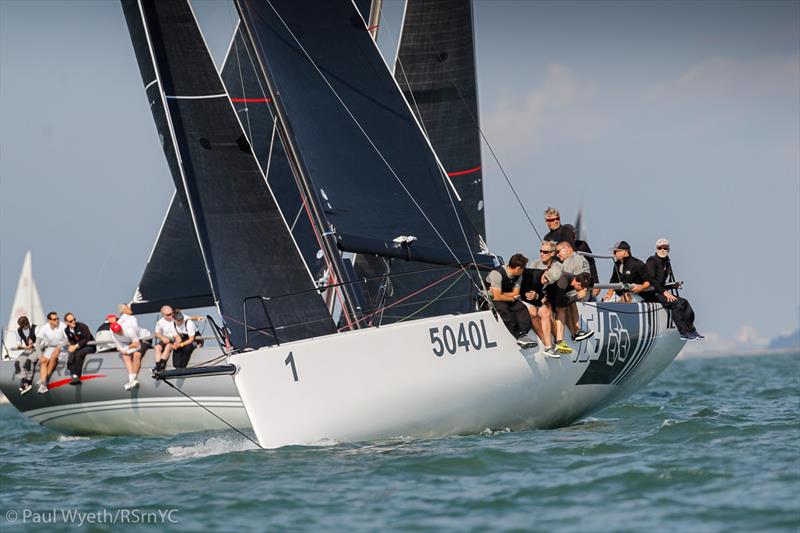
<point>246,245</point>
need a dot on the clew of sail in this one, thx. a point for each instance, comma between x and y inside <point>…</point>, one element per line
<point>26,303</point>
<point>245,243</point>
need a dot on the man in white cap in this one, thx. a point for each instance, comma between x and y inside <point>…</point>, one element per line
<point>658,271</point>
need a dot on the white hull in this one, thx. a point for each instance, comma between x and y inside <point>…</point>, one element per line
<point>388,382</point>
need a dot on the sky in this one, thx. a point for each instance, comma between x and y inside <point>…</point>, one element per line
<point>659,119</point>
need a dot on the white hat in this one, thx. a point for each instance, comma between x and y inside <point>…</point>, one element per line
<point>662,242</point>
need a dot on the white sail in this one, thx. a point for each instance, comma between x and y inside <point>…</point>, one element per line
<point>26,302</point>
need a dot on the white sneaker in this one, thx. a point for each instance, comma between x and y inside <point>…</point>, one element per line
<point>42,388</point>
<point>134,384</point>
<point>127,386</point>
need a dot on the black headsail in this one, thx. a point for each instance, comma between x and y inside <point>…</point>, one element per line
<point>436,71</point>
<point>175,273</point>
<point>254,108</point>
<point>245,242</point>
<point>361,150</point>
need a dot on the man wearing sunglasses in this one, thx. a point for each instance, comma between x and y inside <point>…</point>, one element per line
<point>535,297</point>
<point>166,336</point>
<point>78,337</point>
<point>658,270</point>
<point>566,232</point>
<point>53,342</point>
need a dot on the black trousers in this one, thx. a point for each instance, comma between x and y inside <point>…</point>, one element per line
<point>515,316</point>
<point>75,359</point>
<point>180,357</point>
<point>682,313</point>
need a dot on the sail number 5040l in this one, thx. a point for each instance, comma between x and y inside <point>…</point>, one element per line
<point>468,335</point>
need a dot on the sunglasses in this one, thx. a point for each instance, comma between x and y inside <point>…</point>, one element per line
<point>662,247</point>
<point>168,315</point>
<point>546,251</point>
<point>53,319</point>
<point>552,219</point>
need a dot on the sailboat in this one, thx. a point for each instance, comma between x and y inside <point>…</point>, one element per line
<point>175,274</point>
<point>26,303</point>
<point>372,186</point>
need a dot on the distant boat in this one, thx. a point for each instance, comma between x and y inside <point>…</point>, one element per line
<point>26,303</point>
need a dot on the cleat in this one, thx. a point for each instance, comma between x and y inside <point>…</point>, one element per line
<point>563,347</point>
<point>582,335</point>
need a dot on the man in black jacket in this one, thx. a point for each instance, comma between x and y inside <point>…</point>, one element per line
<point>658,270</point>
<point>78,337</point>
<point>628,270</point>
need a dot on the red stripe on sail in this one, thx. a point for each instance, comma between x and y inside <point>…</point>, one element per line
<point>62,382</point>
<point>462,172</point>
<point>251,100</point>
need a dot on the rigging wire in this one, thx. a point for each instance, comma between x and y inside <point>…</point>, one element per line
<point>237,430</point>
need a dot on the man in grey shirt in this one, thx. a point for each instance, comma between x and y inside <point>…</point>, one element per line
<point>565,301</point>
<point>503,284</point>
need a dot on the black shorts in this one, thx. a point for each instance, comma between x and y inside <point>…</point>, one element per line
<point>562,298</point>
<point>144,346</point>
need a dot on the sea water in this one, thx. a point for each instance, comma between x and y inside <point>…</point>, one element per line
<point>712,444</point>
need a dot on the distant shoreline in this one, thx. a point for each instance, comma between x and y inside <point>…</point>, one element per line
<point>740,353</point>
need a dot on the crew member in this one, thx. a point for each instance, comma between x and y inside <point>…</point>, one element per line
<point>534,296</point>
<point>78,347</point>
<point>23,365</point>
<point>131,343</point>
<point>630,271</point>
<point>658,270</point>
<point>504,283</point>
<point>166,337</point>
<point>186,341</point>
<point>53,342</point>
<point>567,298</point>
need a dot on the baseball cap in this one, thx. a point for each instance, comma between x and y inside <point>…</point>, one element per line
<point>178,315</point>
<point>621,245</point>
<point>116,327</point>
<point>111,317</point>
<point>662,242</point>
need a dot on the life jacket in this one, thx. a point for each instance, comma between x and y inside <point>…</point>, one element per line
<point>507,284</point>
<point>31,335</point>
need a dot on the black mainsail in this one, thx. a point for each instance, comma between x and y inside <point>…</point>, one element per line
<point>245,242</point>
<point>436,71</point>
<point>366,160</point>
